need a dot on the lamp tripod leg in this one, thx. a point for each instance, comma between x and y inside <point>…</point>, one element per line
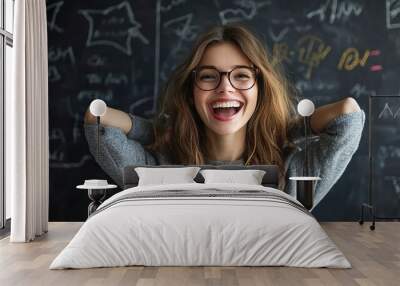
<point>372,227</point>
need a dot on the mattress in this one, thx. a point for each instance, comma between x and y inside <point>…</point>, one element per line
<point>201,225</point>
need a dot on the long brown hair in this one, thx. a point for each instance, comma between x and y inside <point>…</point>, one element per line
<point>181,137</point>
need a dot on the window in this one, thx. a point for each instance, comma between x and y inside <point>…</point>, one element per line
<point>6,62</point>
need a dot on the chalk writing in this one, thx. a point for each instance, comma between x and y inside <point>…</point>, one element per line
<point>387,112</point>
<point>115,27</point>
<point>336,10</point>
<point>94,78</point>
<point>278,37</point>
<point>56,155</point>
<point>106,95</point>
<point>351,58</point>
<point>54,75</point>
<point>247,11</point>
<point>115,79</point>
<point>315,85</point>
<point>281,53</point>
<point>392,14</point>
<point>312,51</point>
<point>57,134</point>
<point>165,7</point>
<point>182,27</point>
<point>52,12</point>
<point>302,29</point>
<point>395,183</point>
<point>56,138</point>
<point>385,152</point>
<point>108,79</point>
<point>61,54</point>
<point>57,55</point>
<point>96,61</point>
<point>360,90</point>
<point>286,21</point>
<point>375,67</point>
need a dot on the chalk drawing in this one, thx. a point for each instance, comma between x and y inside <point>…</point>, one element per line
<point>183,28</point>
<point>165,7</point>
<point>360,90</point>
<point>96,60</point>
<point>278,37</point>
<point>52,12</point>
<point>336,10</point>
<point>247,10</point>
<point>56,54</point>
<point>106,95</point>
<point>185,31</point>
<point>54,75</point>
<point>387,112</point>
<point>392,14</point>
<point>311,52</point>
<point>395,183</point>
<point>115,27</point>
<point>302,29</point>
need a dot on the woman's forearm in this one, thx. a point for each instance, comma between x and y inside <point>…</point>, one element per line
<point>112,118</point>
<point>326,113</point>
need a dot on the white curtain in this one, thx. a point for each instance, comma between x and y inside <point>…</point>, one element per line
<point>27,147</point>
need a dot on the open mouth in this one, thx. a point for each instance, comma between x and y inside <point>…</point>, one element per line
<point>225,113</point>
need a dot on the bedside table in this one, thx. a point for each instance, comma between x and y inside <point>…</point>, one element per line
<point>96,194</point>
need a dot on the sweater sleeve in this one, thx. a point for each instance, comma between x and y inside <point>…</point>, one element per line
<point>142,130</point>
<point>330,155</point>
<point>116,150</point>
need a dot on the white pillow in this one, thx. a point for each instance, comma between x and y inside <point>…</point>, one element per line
<point>162,176</point>
<point>249,177</point>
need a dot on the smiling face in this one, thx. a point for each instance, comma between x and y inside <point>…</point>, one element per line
<point>225,110</point>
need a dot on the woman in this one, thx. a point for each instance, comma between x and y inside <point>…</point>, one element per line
<point>227,104</point>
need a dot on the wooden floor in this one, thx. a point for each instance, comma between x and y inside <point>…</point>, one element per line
<point>374,255</point>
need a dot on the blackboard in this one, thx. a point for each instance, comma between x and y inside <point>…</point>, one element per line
<point>385,155</point>
<point>123,52</point>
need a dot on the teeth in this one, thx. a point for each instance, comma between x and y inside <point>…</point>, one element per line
<point>226,104</point>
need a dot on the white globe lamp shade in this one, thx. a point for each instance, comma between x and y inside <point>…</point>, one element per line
<point>305,107</point>
<point>98,107</point>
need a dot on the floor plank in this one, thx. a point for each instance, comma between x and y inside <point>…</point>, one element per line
<point>374,255</point>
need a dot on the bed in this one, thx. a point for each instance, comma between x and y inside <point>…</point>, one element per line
<point>201,223</point>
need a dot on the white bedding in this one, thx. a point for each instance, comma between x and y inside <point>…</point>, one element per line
<point>201,230</point>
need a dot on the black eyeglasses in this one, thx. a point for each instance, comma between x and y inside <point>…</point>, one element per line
<point>209,78</point>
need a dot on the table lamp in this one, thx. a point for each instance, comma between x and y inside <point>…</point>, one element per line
<point>306,108</point>
<point>96,188</point>
<point>305,184</point>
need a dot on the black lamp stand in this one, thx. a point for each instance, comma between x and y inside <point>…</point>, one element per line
<point>306,124</point>
<point>369,206</point>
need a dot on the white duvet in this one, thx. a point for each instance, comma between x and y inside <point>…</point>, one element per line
<point>208,230</point>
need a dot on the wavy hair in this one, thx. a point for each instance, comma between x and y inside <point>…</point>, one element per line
<point>181,136</point>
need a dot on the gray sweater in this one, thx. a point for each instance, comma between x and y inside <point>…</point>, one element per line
<point>330,151</point>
